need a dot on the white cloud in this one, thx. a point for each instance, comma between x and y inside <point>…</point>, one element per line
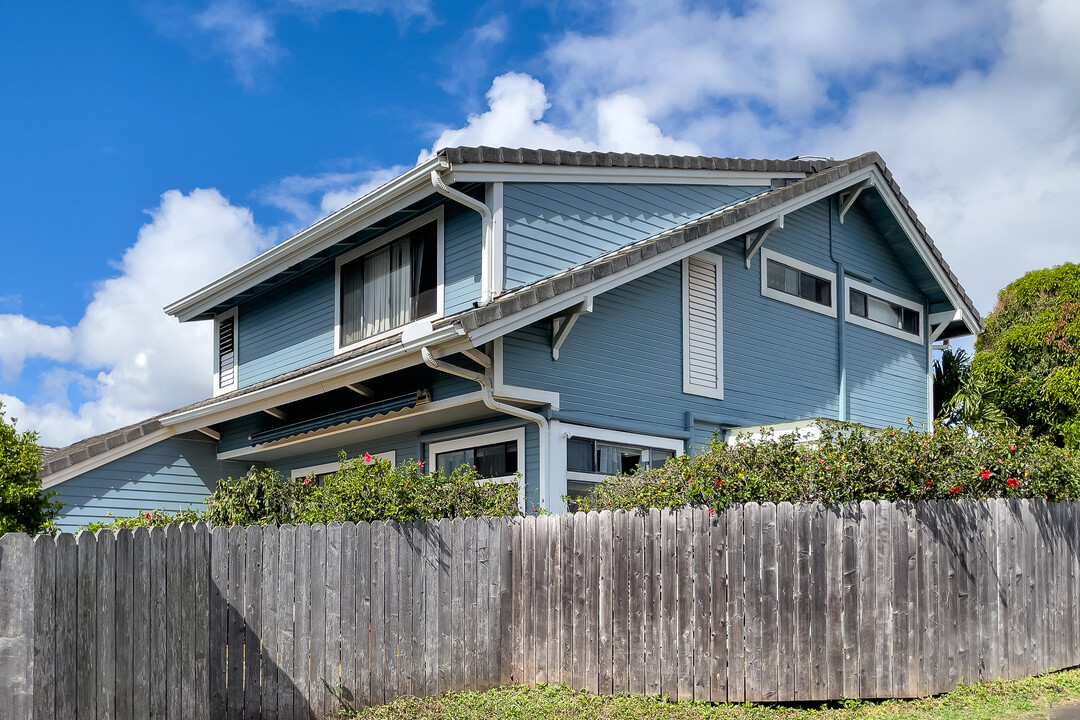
<point>516,107</point>
<point>243,31</point>
<point>22,338</point>
<point>244,34</point>
<point>311,197</point>
<point>126,356</point>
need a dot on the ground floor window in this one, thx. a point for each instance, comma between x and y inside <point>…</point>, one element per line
<point>590,459</point>
<point>321,472</point>
<point>497,456</point>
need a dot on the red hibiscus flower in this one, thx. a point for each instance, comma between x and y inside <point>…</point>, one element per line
<point>1012,482</point>
<point>955,489</point>
<point>367,458</point>
<point>984,474</point>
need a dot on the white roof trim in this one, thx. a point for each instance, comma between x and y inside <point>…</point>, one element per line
<point>509,172</point>
<point>92,463</point>
<point>386,200</point>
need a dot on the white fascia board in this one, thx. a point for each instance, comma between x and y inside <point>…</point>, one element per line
<point>380,362</point>
<point>923,249</point>
<point>73,471</point>
<point>499,172</point>
<point>553,305</point>
<point>381,203</point>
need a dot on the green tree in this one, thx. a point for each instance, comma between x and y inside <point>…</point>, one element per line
<point>1028,356</point>
<point>24,507</point>
<point>949,373</point>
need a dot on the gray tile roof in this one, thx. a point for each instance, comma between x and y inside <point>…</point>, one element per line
<point>819,173</point>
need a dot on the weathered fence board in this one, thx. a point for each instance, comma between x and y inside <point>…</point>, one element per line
<point>760,602</point>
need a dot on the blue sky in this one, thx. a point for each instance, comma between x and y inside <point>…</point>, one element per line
<point>147,147</point>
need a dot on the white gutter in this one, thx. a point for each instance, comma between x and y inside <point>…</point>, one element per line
<point>378,204</point>
<point>487,395</point>
<point>487,235</point>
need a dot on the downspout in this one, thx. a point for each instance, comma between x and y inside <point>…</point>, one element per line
<point>841,360</point>
<point>487,232</point>
<point>489,400</point>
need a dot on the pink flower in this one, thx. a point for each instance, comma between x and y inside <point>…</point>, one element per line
<point>1012,448</point>
<point>420,464</point>
<point>367,458</point>
<point>984,474</point>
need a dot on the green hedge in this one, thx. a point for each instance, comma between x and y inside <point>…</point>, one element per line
<point>851,462</point>
<point>357,492</point>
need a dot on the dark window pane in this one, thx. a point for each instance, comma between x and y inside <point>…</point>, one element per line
<point>448,462</point>
<point>497,460</point>
<point>911,321</point>
<point>657,458</point>
<point>352,293</point>
<point>425,270</point>
<point>858,303</point>
<point>580,456</point>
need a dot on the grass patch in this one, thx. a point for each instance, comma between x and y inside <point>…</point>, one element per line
<point>984,701</point>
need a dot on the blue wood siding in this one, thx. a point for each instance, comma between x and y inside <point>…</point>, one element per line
<point>462,245</point>
<point>886,378</point>
<point>169,475</point>
<point>623,362</point>
<point>287,328</point>
<point>863,250</point>
<point>552,227</point>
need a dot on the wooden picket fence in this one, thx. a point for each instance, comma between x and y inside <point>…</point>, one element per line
<point>757,603</point>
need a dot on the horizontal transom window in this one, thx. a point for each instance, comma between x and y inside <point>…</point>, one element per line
<point>884,312</point>
<point>797,283</point>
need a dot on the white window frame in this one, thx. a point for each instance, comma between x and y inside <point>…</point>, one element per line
<point>619,437</point>
<point>688,387</point>
<point>374,244</point>
<point>795,300</point>
<point>390,456</point>
<point>231,313</point>
<point>870,290</point>
<point>513,435</point>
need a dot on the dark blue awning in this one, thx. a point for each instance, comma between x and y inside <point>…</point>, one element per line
<point>343,417</point>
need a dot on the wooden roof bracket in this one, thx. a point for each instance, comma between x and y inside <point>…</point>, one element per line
<point>849,196</point>
<point>562,323</point>
<point>756,238</point>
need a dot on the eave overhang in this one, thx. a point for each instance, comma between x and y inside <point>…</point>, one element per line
<point>391,197</point>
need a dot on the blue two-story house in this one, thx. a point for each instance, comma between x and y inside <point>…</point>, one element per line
<point>551,317</point>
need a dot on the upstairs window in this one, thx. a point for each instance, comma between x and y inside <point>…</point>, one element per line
<point>797,283</point>
<point>884,312</point>
<point>225,375</point>
<point>390,285</point>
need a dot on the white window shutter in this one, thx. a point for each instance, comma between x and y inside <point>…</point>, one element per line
<point>703,356</point>
<point>226,352</point>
